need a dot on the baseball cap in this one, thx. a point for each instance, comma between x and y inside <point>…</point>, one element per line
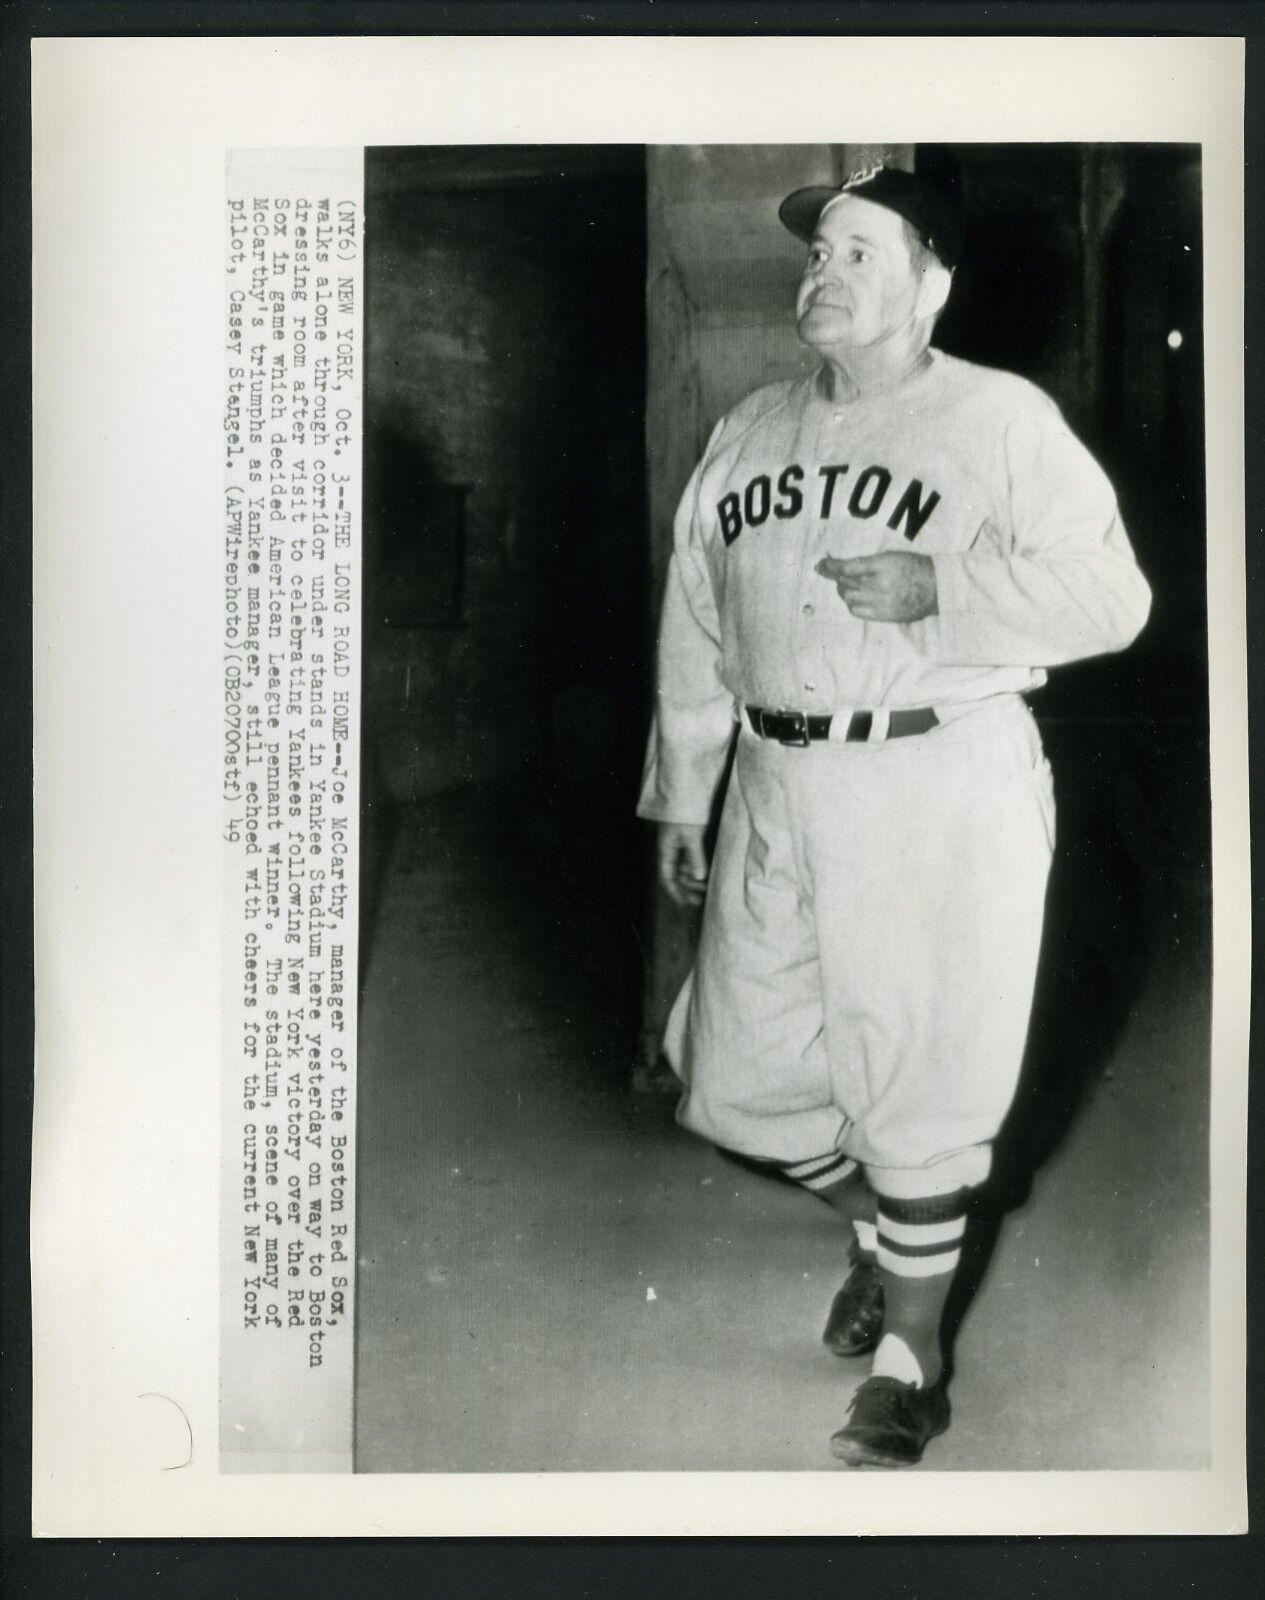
<point>924,205</point>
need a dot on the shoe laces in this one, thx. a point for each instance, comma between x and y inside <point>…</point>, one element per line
<point>883,1400</point>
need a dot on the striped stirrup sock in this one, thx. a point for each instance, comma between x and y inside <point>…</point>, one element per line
<point>822,1174</point>
<point>919,1247</point>
<point>921,1238</point>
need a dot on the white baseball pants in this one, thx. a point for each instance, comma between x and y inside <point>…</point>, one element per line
<point>869,944</point>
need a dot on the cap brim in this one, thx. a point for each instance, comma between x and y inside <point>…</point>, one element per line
<point>799,211</point>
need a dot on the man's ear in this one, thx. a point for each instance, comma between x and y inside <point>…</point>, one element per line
<point>933,290</point>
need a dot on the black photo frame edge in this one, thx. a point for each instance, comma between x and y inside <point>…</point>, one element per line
<point>980,1568</point>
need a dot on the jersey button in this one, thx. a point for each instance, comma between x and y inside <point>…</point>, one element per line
<point>811,688</point>
<point>807,610</point>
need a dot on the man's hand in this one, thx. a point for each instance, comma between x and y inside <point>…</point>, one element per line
<point>683,862</point>
<point>894,586</point>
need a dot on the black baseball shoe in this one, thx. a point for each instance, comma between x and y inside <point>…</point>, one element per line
<point>856,1312</point>
<point>890,1422</point>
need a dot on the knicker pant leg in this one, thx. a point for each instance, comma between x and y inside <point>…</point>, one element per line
<point>745,1034</point>
<point>929,894</point>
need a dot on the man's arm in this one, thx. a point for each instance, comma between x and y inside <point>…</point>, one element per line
<point>694,712</point>
<point>683,862</point>
<point>1059,584</point>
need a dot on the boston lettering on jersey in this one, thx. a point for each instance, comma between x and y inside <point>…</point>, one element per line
<point>869,495</point>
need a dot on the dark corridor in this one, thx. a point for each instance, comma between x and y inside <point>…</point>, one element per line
<point>505,632</point>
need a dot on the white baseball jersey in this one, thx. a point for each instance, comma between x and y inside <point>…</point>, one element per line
<point>966,464</point>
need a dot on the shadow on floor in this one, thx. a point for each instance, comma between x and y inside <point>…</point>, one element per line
<point>1127,872</point>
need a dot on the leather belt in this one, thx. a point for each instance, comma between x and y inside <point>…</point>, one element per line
<point>802,727</point>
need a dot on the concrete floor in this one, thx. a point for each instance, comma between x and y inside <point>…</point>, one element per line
<point>554,1277</point>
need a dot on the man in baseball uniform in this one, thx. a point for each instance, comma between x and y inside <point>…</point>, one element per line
<point>872,566</point>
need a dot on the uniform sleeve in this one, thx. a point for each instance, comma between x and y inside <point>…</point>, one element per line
<point>1058,580</point>
<point>694,712</point>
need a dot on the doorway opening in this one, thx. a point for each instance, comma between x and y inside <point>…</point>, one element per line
<point>504,529</point>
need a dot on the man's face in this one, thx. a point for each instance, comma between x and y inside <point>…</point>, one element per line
<point>859,285</point>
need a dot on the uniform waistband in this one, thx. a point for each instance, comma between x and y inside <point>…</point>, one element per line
<point>784,725</point>
<point>854,727</point>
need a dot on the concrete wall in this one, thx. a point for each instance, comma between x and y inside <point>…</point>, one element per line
<point>506,358</point>
<point>490,369</point>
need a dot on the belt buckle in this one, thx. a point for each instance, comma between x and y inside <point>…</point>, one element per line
<point>799,739</point>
